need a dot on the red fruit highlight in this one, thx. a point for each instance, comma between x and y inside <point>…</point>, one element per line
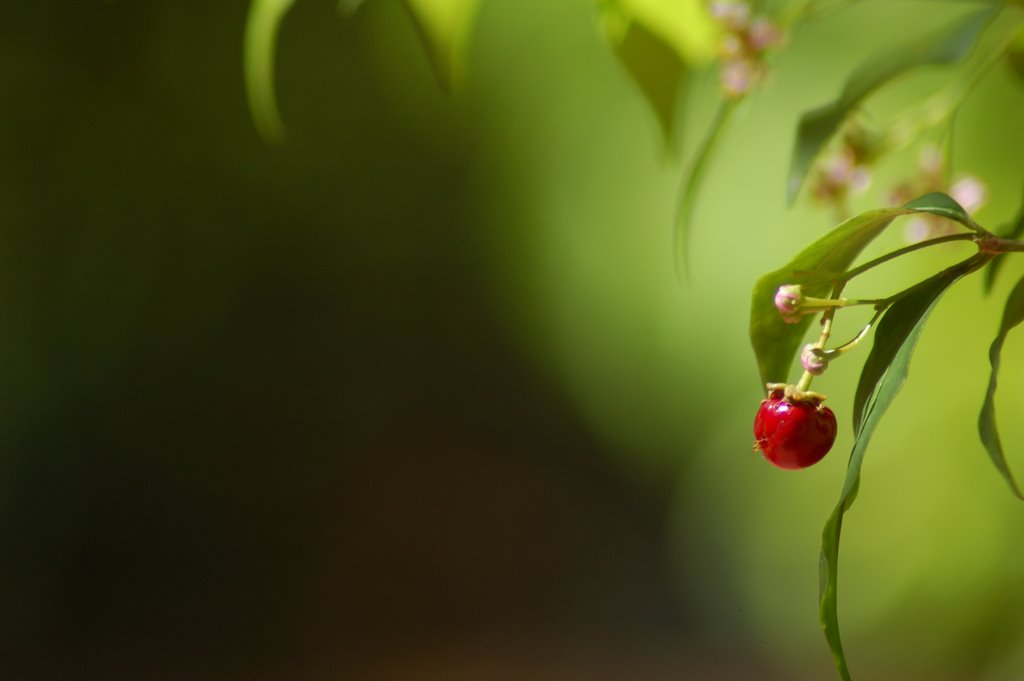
<point>794,434</point>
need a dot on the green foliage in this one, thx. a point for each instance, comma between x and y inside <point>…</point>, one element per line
<point>656,68</point>
<point>817,127</point>
<point>692,181</point>
<point>1015,57</point>
<point>1013,315</point>
<point>261,30</point>
<point>681,25</point>
<point>444,26</point>
<point>885,371</point>
<point>820,267</point>
<point>661,43</point>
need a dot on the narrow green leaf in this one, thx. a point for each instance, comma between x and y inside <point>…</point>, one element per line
<point>884,373</point>
<point>1013,315</point>
<point>817,127</point>
<point>444,26</point>
<point>692,182</point>
<point>896,325</point>
<point>1015,232</point>
<point>260,43</point>
<point>656,68</point>
<point>817,268</point>
<point>944,206</point>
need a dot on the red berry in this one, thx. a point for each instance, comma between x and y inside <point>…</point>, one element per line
<point>794,434</point>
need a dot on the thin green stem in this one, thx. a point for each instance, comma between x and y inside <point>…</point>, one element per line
<point>853,342</point>
<point>861,269</point>
<point>979,259</point>
<point>804,384</point>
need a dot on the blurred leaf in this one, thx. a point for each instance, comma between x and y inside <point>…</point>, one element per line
<point>884,373</point>
<point>261,29</point>
<point>444,26</point>
<point>1015,232</point>
<point>684,25</point>
<point>817,127</point>
<point>653,64</point>
<point>817,268</point>
<point>349,7</point>
<point>1015,57</point>
<point>693,179</point>
<point>1013,315</point>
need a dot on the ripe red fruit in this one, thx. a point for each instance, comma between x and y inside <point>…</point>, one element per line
<point>794,434</point>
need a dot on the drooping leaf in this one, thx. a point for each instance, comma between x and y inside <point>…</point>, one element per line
<point>692,182</point>
<point>686,26</point>
<point>1015,57</point>
<point>1013,315</point>
<point>895,325</point>
<point>1015,232</point>
<point>260,46</point>
<point>817,127</point>
<point>817,268</point>
<point>656,68</point>
<point>444,26</point>
<point>884,373</point>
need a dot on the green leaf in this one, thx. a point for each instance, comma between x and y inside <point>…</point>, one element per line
<point>652,63</point>
<point>260,43</point>
<point>444,26</point>
<point>1015,232</point>
<point>884,373</point>
<point>817,127</point>
<point>1015,57</point>
<point>944,206</point>
<point>1013,315</point>
<point>684,25</point>
<point>692,182</point>
<point>775,342</point>
<point>818,268</point>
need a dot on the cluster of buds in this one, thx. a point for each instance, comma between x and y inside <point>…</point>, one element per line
<point>845,172</point>
<point>792,305</point>
<point>743,47</point>
<point>967,190</point>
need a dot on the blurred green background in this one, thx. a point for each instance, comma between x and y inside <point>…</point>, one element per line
<point>418,396</point>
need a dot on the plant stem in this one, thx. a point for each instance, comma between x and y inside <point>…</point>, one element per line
<point>856,271</point>
<point>826,330</point>
<point>997,245</point>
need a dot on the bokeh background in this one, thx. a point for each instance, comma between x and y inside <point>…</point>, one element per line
<point>418,396</point>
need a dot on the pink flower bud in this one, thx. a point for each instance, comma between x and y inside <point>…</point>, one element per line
<point>763,34</point>
<point>812,360</point>
<point>737,78</point>
<point>733,15</point>
<point>788,300</point>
